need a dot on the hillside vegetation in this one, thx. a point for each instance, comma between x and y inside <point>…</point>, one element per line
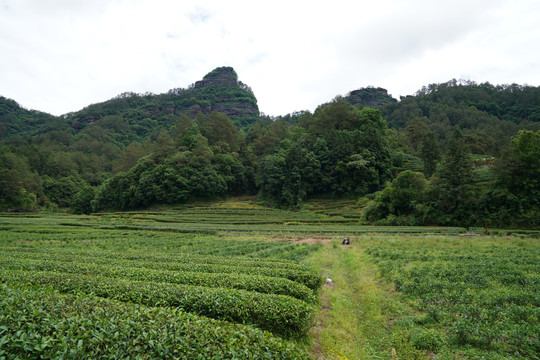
<point>458,153</point>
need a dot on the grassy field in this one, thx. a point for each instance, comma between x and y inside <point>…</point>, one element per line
<point>237,280</point>
<point>421,297</point>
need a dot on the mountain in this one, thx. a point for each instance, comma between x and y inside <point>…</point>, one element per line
<point>15,120</point>
<point>139,115</point>
<point>209,140</point>
<point>370,96</point>
<point>220,90</point>
<point>489,115</point>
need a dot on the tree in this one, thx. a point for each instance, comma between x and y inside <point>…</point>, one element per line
<point>520,169</point>
<point>82,201</point>
<point>455,178</point>
<point>129,156</point>
<point>429,153</point>
<point>287,177</point>
<point>18,185</point>
<point>398,199</point>
<point>518,183</point>
<point>221,133</point>
<point>180,127</point>
<point>164,145</point>
<point>232,171</point>
<point>415,132</point>
<point>337,115</point>
<point>406,192</point>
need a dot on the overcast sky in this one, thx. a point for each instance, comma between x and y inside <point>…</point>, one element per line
<point>59,56</point>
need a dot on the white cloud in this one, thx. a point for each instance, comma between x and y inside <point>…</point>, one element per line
<point>59,56</point>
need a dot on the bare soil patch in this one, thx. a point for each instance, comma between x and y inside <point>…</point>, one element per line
<point>325,240</point>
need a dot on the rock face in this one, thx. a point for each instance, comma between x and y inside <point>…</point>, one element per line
<point>222,76</point>
<point>225,93</point>
<point>372,97</point>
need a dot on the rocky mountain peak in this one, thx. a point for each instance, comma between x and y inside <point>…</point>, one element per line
<point>370,96</point>
<point>224,76</point>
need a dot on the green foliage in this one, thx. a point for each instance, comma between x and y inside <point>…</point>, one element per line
<point>251,282</point>
<point>427,340</point>
<point>429,153</point>
<point>17,121</point>
<point>351,146</point>
<point>201,275</point>
<point>222,134</point>
<point>209,141</point>
<point>476,299</point>
<point>487,114</point>
<point>62,191</point>
<point>455,177</point>
<point>288,176</point>
<point>82,201</point>
<point>515,195</point>
<point>520,169</point>
<point>17,183</point>
<point>370,96</point>
<point>45,324</point>
<point>406,191</point>
<point>280,314</point>
<point>400,198</point>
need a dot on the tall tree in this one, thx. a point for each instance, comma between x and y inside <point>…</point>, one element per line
<point>455,177</point>
<point>222,134</point>
<point>429,153</point>
<point>18,185</point>
<point>519,170</point>
<point>415,132</point>
<point>287,177</point>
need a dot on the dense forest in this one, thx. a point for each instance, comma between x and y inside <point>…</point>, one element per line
<point>457,153</point>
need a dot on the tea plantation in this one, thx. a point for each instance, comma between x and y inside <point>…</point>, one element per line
<point>232,281</point>
<point>78,292</point>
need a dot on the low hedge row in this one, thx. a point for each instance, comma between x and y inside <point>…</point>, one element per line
<point>302,275</point>
<point>43,324</point>
<point>283,315</point>
<point>259,283</point>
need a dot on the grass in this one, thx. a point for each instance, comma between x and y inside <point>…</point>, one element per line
<point>448,284</point>
<point>356,306</point>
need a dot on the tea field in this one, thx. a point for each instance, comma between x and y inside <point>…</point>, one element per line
<point>476,298</point>
<point>238,281</point>
<point>431,297</point>
<point>86,292</point>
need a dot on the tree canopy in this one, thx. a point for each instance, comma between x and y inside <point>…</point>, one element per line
<point>209,141</point>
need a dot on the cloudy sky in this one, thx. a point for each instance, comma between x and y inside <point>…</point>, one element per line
<point>59,56</point>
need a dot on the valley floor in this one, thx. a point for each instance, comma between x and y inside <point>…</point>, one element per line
<point>247,274</point>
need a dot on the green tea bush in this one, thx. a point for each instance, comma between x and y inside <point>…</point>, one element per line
<point>485,298</point>
<point>282,315</point>
<point>259,283</point>
<point>44,324</point>
<point>298,273</point>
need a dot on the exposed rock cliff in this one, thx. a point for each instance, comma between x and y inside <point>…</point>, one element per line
<point>223,76</point>
<point>224,93</point>
<point>370,96</point>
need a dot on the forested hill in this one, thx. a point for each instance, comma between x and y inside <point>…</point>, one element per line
<point>219,90</point>
<point>15,120</point>
<point>133,117</point>
<point>409,161</point>
<point>487,114</point>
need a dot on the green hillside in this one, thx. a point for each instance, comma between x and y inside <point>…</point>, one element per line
<point>455,154</point>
